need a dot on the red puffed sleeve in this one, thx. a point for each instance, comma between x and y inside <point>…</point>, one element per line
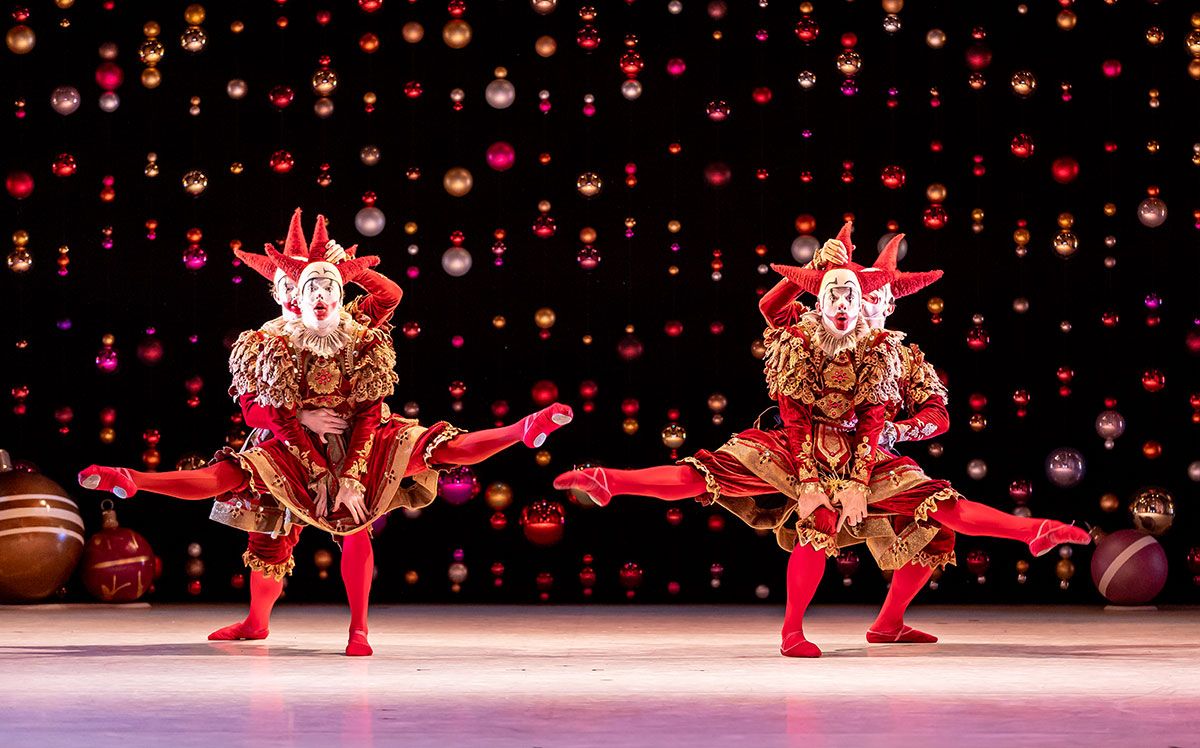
<point>925,399</point>
<point>779,306</point>
<point>383,296</point>
<point>255,415</point>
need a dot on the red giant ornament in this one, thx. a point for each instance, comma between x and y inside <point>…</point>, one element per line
<point>118,563</point>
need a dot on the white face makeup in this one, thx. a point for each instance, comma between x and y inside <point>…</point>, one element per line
<point>840,301</point>
<point>283,290</point>
<point>320,302</point>
<point>877,306</point>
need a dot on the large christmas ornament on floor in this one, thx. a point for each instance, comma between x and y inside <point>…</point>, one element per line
<point>118,564</point>
<point>41,535</point>
<point>1129,567</point>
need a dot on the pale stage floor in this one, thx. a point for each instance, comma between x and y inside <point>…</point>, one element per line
<point>597,676</point>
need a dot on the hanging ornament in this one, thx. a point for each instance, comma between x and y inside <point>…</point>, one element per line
<point>118,564</point>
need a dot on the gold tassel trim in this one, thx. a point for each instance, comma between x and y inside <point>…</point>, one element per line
<point>879,368</point>
<point>710,483</point>
<point>935,561</point>
<point>811,536</point>
<point>272,571</point>
<point>277,381</point>
<point>438,440</point>
<point>243,363</point>
<point>374,376</point>
<point>930,504</point>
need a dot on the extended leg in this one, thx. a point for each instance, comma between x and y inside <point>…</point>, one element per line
<point>476,446</point>
<point>805,569</point>
<point>358,566</point>
<point>666,482</point>
<point>204,483</point>
<point>889,626</point>
<point>972,518</point>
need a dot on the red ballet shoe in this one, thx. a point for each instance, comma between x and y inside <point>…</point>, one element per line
<point>238,632</point>
<point>358,645</point>
<point>536,427</point>
<point>100,478</point>
<point>795,645</point>
<point>1051,533</point>
<point>902,635</point>
<point>591,482</point>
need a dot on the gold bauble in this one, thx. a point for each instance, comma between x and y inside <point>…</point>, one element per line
<point>151,51</point>
<point>1194,68</point>
<point>936,193</point>
<point>195,182</point>
<point>758,349</point>
<point>194,14</point>
<point>499,322</point>
<point>545,46</point>
<point>1109,502</point>
<point>1024,83</point>
<point>458,181</point>
<point>542,457</point>
<point>456,33</point>
<point>1066,20</point>
<point>237,167</point>
<point>324,82</point>
<point>151,29</point>
<point>64,4</point>
<point>20,238</point>
<point>322,559</point>
<point>193,39</point>
<point>1066,243</point>
<point>108,435</point>
<point>413,32</point>
<point>1110,209</point>
<point>717,402</point>
<point>1065,220</point>
<point>674,226</point>
<point>151,78</point>
<point>893,6</point>
<point>19,260</point>
<point>1193,42</point>
<point>629,426</point>
<point>587,235</point>
<point>1065,569</point>
<point>544,318</point>
<point>499,496</point>
<point>410,228</point>
<point>323,108</point>
<point>1152,510</point>
<point>589,184</point>
<point>543,7</point>
<point>20,39</point>
<point>935,305</point>
<point>673,436</point>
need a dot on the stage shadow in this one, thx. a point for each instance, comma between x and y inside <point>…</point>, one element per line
<point>1003,651</point>
<point>191,649</point>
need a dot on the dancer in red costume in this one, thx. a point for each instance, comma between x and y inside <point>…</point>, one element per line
<point>835,379</point>
<point>268,556</point>
<point>327,359</point>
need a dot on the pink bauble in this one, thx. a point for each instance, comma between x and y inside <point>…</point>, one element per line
<point>501,156</point>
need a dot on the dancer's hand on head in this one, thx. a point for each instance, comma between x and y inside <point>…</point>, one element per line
<point>810,498</point>
<point>334,252</point>
<point>854,505</point>
<point>322,421</point>
<point>350,495</point>
<point>833,252</point>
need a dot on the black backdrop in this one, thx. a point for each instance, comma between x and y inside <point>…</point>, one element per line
<point>140,282</point>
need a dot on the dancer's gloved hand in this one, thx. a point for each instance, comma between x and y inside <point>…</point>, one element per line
<point>888,436</point>
<point>853,500</point>
<point>322,421</point>
<point>810,498</point>
<point>833,252</point>
<point>334,252</point>
<point>351,495</point>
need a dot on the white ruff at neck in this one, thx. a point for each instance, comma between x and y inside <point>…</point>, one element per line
<point>325,343</point>
<point>831,344</point>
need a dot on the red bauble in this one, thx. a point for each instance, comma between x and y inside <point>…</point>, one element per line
<point>807,29</point>
<point>631,576</point>
<point>19,184</point>
<point>718,174</point>
<point>934,217</point>
<point>978,57</point>
<point>1153,380</point>
<point>544,392</point>
<point>109,76</point>
<point>118,563</point>
<point>281,96</point>
<point>978,562</point>
<point>64,165</point>
<point>1064,170</point>
<point>1022,145</point>
<point>1129,567</point>
<point>282,162</point>
<point>543,522</point>
<point>892,177</point>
